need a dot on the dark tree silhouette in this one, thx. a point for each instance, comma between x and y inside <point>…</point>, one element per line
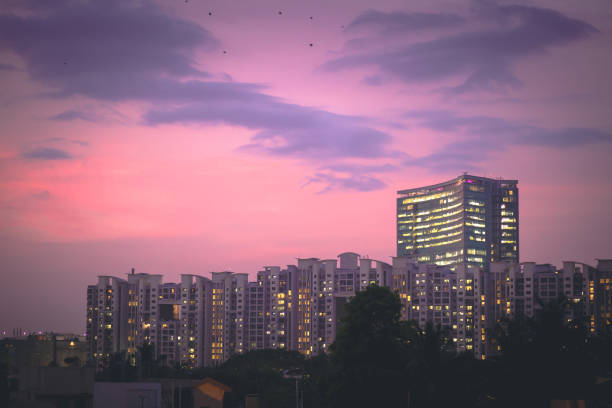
<point>545,357</point>
<point>370,352</point>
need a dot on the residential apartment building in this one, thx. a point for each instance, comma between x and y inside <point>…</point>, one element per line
<point>203,321</point>
<point>450,299</point>
<point>514,290</point>
<point>108,309</point>
<point>471,220</point>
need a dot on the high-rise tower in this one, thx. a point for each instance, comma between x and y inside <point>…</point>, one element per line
<point>469,219</point>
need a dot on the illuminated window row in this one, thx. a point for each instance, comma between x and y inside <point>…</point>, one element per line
<point>437,224</point>
<point>446,214</point>
<point>427,197</point>
<point>435,237</point>
<point>452,241</point>
<point>449,228</point>
<point>475,210</point>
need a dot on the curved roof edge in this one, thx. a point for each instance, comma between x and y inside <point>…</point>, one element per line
<point>456,179</point>
<point>349,253</point>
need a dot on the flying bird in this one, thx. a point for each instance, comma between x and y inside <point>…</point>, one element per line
<point>280,12</point>
<point>210,13</point>
<point>310,44</point>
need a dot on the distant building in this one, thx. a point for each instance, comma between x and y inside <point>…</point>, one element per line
<point>468,302</point>
<point>470,219</point>
<point>107,318</point>
<point>127,395</point>
<point>53,387</point>
<point>42,350</point>
<point>450,299</point>
<point>163,393</point>
<point>203,322</point>
<point>602,291</point>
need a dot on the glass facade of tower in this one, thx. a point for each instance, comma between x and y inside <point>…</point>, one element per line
<point>470,219</point>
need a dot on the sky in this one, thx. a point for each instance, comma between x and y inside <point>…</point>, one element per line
<point>195,136</point>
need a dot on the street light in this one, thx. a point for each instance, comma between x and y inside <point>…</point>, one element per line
<point>296,374</point>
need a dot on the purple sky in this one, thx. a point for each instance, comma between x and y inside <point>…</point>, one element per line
<point>186,137</point>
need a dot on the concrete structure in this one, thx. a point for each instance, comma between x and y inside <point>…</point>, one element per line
<point>42,350</point>
<point>229,314</point>
<point>470,219</point>
<point>514,290</point>
<point>468,302</point>
<point>449,299</point>
<point>107,318</point>
<point>127,395</point>
<point>53,387</point>
<point>210,393</point>
<point>603,295</point>
<point>202,322</point>
<point>189,393</point>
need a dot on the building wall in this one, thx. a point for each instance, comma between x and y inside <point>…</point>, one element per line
<point>107,317</point>
<point>470,219</point>
<point>202,322</point>
<point>127,395</point>
<point>43,350</point>
<point>603,296</point>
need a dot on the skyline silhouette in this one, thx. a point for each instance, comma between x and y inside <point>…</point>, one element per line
<point>190,137</point>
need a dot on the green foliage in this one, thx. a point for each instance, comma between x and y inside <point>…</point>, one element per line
<point>546,357</point>
<point>379,360</point>
<point>370,353</point>
<point>4,384</point>
<point>259,372</point>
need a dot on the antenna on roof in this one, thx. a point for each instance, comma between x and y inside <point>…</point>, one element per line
<point>132,271</point>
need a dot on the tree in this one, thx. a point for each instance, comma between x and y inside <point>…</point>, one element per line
<point>259,372</point>
<point>370,352</point>
<point>546,357</point>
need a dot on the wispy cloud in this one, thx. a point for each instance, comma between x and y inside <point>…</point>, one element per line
<point>477,137</point>
<point>283,129</point>
<point>64,140</point>
<point>332,181</point>
<point>482,57</point>
<point>73,114</point>
<point>8,67</point>
<point>104,49</point>
<point>402,22</point>
<point>43,195</point>
<point>46,153</point>
<point>142,54</point>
